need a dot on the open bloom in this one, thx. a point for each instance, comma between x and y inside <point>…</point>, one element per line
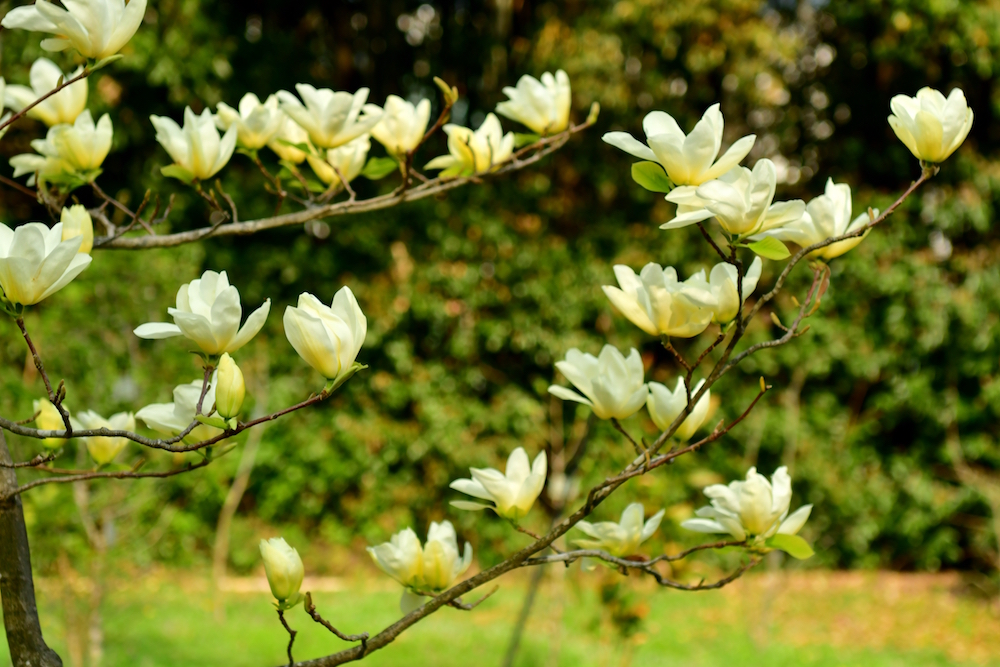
<point>328,338</point>
<point>611,384</point>
<point>690,159</point>
<point>289,132</point>
<point>474,152</point>
<point>930,125</point>
<point>256,123</point>
<point>403,125</point>
<point>826,216</point>
<point>79,148</point>
<point>331,118</point>
<point>283,567</point>
<point>95,28</point>
<point>751,508</point>
<point>35,261</point>
<point>230,390</point>
<point>741,200</point>
<point>104,449</point>
<point>723,283</point>
<point>431,568</point>
<point>63,107</point>
<point>76,221</point>
<point>208,312</point>
<point>49,419</point>
<point>664,406</point>
<point>513,493</point>
<point>173,418</point>
<point>542,105</point>
<point>658,303</point>
<point>348,159</point>
<point>622,538</point>
<point>196,147</point>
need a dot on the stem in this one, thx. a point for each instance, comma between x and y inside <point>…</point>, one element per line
<point>85,73</point>
<point>55,400</point>
<point>291,637</point>
<point>311,610</point>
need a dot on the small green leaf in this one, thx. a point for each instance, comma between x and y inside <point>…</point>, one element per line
<point>793,545</point>
<point>651,176</point>
<point>524,139</point>
<point>379,167</point>
<point>595,110</point>
<point>217,422</point>
<point>178,172</point>
<point>770,248</point>
<point>304,147</point>
<point>104,62</point>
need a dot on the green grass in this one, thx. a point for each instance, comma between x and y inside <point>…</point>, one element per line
<point>168,620</point>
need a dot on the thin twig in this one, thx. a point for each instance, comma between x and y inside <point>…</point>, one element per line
<point>40,459</point>
<point>54,398</point>
<point>125,474</point>
<point>7,123</point>
<point>291,637</point>
<point>311,610</point>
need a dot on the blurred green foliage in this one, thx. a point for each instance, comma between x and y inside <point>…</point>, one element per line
<point>470,298</point>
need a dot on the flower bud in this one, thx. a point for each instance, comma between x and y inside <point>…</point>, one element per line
<point>229,390</point>
<point>76,221</point>
<point>283,567</point>
<point>49,419</point>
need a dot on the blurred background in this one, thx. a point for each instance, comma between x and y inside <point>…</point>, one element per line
<point>885,412</point>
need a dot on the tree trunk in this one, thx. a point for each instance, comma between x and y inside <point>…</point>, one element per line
<point>17,588</point>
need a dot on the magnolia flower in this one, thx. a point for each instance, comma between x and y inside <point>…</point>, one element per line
<point>432,568</point>
<point>658,303</point>
<point>230,389</point>
<point>255,123</point>
<point>664,406</point>
<point>283,567</point>
<point>35,261</point>
<point>622,538</point>
<point>208,312</point>
<point>79,148</point>
<point>542,105</point>
<point>723,283</point>
<point>331,118</point>
<point>49,419</point>
<point>173,418</point>
<point>328,338</point>
<point>348,159</point>
<point>63,107</point>
<point>688,160</point>
<point>474,152</point>
<point>931,126</point>
<point>741,200</point>
<point>197,147</point>
<point>512,494</point>
<point>611,384</point>
<point>289,131</point>
<point>403,125</point>
<point>95,28</point>
<point>754,508</point>
<point>826,216</point>
<point>76,221</point>
<point>104,449</point>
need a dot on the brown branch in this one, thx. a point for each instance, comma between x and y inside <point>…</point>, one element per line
<point>54,397</point>
<point>206,380</point>
<point>40,459</point>
<point>669,347</point>
<point>125,474</point>
<point>20,188</point>
<point>82,75</point>
<point>708,237</point>
<point>311,610</point>
<point>291,637</point>
<point>572,556</point>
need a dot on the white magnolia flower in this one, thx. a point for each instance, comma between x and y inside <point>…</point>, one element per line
<point>256,123</point>
<point>35,261</point>
<point>474,152</point>
<point>208,312</point>
<point>723,283</point>
<point>76,221</point>
<point>664,406</point>
<point>79,148</point>
<point>289,131</point>
<point>826,216</point>
<point>63,107</point>
<point>403,125</point>
<point>688,160</point>
<point>622,538</point>
<point>49,419</point>
<point>283,567</point>
<point>104,449</point>
<point>543,106</point>
<point>349,160</point>
<point>611,384</point>
<point>196,147</point>
<point>741,200</point>
<point>328,338</point>
<point>331,118</point>
<point>95,28</point>
<point>751,508</point>
<point>173,418</point>
<point>931,126</point>
<point>431,568</point>
<point>513,493</point>
<point>658,303</point>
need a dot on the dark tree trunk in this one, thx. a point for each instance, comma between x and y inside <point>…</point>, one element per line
<point>17,588</point>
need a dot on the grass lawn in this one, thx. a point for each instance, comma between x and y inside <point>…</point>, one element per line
<point>167,619</point>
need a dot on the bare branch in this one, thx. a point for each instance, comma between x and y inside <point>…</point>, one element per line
<point>311,610</point>
<point>291,637</point>
<point>10,121</point>
<point>126,474</point>
<point>54,397</point>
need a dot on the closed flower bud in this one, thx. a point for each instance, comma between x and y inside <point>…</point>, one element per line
<point>512,493</point>
<point>230,389</point>
<point>49,419</point>
<point>104,449</point>
<point>930,125</point>
<point>283,567</point>
<point>76,221</point>
<point>611,384</point>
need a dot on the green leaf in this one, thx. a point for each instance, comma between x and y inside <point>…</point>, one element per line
<point>304,147</point>
<point>379,167</point>
<point>104,62</point>
<point>524,139</point>
<point>651,176</point>
<point>178,172</point>
<point>793,545</point>
<point>217,422</point>
<point>770,248</point>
